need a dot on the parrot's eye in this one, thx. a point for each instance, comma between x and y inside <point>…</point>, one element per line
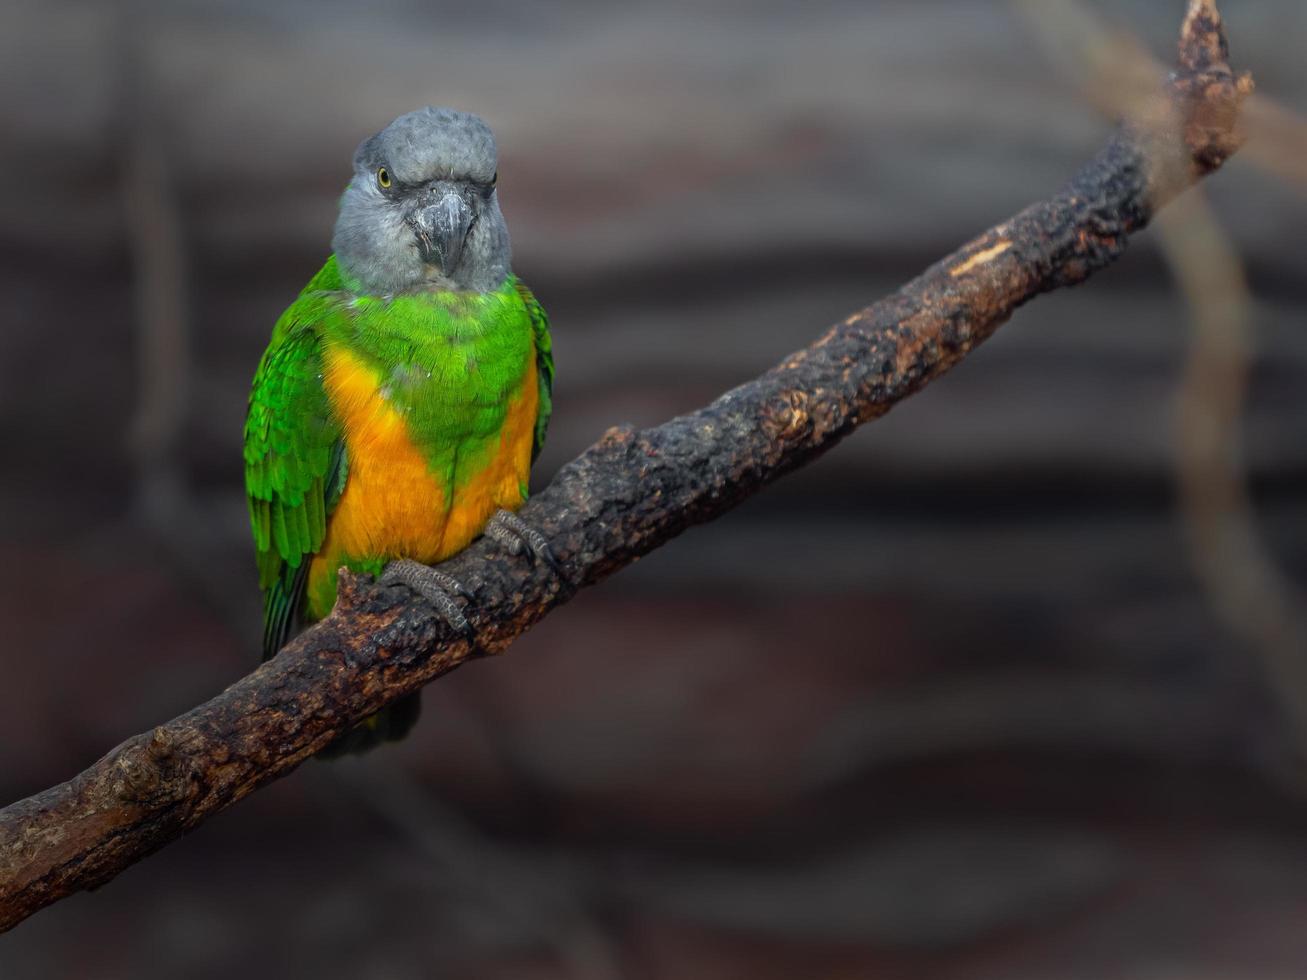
<point>383,178</point>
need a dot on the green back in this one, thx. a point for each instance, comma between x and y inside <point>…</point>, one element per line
<point>452,360</point>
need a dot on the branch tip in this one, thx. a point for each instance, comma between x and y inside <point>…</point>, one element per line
<point>1202,37</point>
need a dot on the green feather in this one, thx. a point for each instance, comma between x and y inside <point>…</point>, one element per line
<point>544,364</point>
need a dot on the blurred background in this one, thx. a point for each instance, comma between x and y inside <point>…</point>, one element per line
<point>1007,685</point>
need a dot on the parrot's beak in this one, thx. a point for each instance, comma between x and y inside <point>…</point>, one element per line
<point>441,228</point>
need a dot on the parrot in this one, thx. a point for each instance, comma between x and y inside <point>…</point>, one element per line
<point>403,396</point>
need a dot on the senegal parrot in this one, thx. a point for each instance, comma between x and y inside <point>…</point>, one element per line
<point>404,395</point>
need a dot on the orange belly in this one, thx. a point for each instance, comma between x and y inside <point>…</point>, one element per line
<point>393,506</point>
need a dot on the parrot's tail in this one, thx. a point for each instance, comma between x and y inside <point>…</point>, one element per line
<point>387,725</point>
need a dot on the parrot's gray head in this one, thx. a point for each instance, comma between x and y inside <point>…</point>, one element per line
<point>421,210</point>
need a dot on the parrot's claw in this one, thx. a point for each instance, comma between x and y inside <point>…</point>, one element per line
<point>517,537</point>
<point>437,587</point>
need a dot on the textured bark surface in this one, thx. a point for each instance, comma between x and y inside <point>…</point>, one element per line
<point>630,493</point>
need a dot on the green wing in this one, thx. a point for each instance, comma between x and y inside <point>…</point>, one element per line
<point>544,364</point>
<point>294,460</point>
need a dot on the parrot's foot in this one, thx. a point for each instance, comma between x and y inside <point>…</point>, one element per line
<point>517,537</point>
<point>431,584</point>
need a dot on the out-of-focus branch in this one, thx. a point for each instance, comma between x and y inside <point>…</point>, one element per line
<point>630,493</point>
<point>157,243</point>
<point>1277,139</point>
<point>1241,577</point>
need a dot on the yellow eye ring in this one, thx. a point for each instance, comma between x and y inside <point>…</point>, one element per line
<point>383,178</point>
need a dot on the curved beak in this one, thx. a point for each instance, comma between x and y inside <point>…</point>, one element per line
<point>441,227</point>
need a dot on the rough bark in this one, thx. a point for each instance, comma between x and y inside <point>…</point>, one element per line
<point>630,493</point>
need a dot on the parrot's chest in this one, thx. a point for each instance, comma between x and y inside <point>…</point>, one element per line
<point>430,455</point>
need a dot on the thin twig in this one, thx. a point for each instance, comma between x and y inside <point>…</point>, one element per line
<point>1242,579</point>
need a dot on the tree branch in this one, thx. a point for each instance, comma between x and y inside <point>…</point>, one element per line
<point>628,494</point>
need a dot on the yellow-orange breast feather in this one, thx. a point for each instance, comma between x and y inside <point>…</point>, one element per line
<point>392,505</point>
